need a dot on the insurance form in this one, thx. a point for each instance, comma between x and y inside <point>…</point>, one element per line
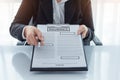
<point>63,50</point>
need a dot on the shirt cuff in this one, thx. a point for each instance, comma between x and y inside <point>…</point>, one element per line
<point>23,36</point>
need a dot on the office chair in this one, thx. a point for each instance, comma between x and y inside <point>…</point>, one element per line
<point>97,41</point>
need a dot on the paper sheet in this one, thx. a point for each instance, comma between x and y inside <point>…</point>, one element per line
<point>63,47</point>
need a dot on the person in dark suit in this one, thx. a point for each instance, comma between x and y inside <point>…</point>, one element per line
<point>52,12</point>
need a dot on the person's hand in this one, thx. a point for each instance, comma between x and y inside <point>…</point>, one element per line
<point>82,30</point>
<point>32,35</point>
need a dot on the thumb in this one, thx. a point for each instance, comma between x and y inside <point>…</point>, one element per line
<point>39,34</point>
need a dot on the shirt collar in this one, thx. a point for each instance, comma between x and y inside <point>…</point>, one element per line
<point>63,1</point>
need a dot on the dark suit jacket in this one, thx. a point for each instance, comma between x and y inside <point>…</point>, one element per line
<point>76,12</point>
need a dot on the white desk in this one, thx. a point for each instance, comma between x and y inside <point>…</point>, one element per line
<point>104,64</point>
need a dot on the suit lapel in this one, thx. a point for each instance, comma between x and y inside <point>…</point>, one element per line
<point>48,10</point>
<point>69,11</point>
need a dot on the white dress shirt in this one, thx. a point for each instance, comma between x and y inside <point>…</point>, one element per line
<point>58,13</point>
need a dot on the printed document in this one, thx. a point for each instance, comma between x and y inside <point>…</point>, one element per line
<point>63,48</point>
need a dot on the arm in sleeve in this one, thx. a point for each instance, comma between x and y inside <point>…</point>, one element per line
<point>22,19</point>
<point>87,19</point>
